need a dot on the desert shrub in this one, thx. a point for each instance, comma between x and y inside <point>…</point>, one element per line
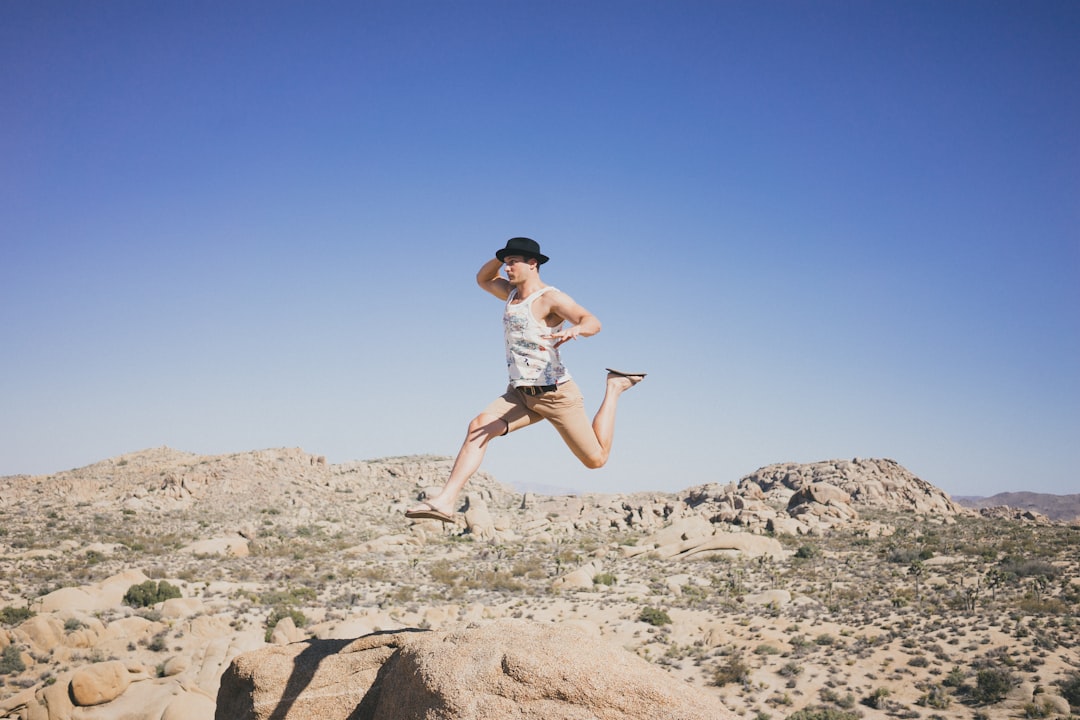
<point>955,678</point>
<point>1019,567</point>
<point>279,614</point>
<point>807,552</point>
<point>158,642</point>
<point>1037,709</point>
<point>444,572</point>
<point>11,662</point>
<point>919,661</point>
<point>907,555</point>
<point>286,598</point>
<point>604,579</point>
<point>494,580</point>
<point>1070,689</point>
<point>150,593</point>
<point>73,624</point>
<point>876,699</point>
<point>822,712</point>
<point>936,697</point>
<point>733,670</point>
<point>790,670</point>
<point>766,649</point>
<point>992,684</point>
<point>15,615</point>
<point>654,616</point>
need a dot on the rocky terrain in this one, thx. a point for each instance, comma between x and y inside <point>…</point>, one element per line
<point>132,587</point>
<point>1062,508</point>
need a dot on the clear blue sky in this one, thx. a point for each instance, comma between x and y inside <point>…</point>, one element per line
<point>827,230</point>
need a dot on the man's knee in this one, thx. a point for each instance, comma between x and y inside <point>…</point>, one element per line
<point>488,425</point>
<point>595,462</point>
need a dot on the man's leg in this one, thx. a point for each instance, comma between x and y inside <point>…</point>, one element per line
<point>604,423</point>
<point>591,444</point>
<point>505,414</point>
<point>481,431</point>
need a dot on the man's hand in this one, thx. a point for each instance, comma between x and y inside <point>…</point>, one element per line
<point>571,333</point>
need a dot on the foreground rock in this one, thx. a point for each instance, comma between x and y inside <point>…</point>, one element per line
<point>509,669</point>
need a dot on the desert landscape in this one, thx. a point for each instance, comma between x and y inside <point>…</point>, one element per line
<point>834,590</point>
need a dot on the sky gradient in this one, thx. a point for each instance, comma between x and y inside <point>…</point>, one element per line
<point>826,229</point>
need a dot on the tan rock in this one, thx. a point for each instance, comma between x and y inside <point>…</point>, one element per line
<point>42,632</point>
<point>106,594</point>
<point>235,546</point>
<point>531,671</point>
<point>190,706</point>
<point>581,578</point>
<point>311,680</point>
<point>285,632</point>
<point>478,518</point>
<point>176,608</point>
<point>99,683</point>
<point>743,543</point>
<point>499,671</point>
<point>176,665</point>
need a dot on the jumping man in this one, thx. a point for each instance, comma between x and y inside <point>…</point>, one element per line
<point>540,386</point>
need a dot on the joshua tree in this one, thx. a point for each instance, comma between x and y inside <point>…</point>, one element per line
<point>917,570</point>
<point>994,578</point>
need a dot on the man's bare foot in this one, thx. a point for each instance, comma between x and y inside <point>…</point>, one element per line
<point>623,380</point>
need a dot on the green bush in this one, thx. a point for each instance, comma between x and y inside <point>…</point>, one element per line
<point>734,670</point>
<point>992,685</point>
<point>877,699</point>
<point>653,616</point>
<point>807,552</point>
<point>279,614</point>
<point>150,593</point>
<point>1021,567</point>
<point>1070,689</point>
<point>11,661</point>
<point>15,615</point>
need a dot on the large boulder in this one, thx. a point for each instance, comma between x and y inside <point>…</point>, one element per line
<point>99,683</point>
<point>505,670</point>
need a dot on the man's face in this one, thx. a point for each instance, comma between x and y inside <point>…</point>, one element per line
<point>517,267</point>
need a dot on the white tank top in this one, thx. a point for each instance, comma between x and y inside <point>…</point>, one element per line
<point>530,358</point>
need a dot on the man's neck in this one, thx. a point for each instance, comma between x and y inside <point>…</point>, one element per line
<point>528,287</point>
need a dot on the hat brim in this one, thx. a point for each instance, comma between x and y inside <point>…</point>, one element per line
<point>500,255</point>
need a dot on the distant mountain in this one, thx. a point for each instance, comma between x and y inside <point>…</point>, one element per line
<point>1061,508</point>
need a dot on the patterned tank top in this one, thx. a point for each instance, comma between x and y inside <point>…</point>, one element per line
<point>530,358</point>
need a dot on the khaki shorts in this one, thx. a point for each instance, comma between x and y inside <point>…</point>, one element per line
<point>564,408</point>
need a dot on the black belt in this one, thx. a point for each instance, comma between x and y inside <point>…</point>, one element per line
<point>535,390</point>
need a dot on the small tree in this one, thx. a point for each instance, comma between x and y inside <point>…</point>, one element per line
<point>653,616</point>
<point>150,593</point>
<point>992,685</point>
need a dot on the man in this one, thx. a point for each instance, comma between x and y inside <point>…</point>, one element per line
<point>540,386</point>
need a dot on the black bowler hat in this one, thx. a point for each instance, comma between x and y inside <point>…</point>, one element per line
<point>523,246</point>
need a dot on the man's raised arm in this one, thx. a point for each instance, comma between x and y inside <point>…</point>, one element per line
<point>489,279</point>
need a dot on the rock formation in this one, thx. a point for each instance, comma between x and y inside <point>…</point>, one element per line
<point>503,670</point>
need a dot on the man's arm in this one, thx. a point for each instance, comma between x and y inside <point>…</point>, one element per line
<point>489,279</point>
<point>583,322</point>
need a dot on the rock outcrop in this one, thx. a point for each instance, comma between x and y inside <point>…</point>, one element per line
<point>811,498</point>
<point>504,670</point>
